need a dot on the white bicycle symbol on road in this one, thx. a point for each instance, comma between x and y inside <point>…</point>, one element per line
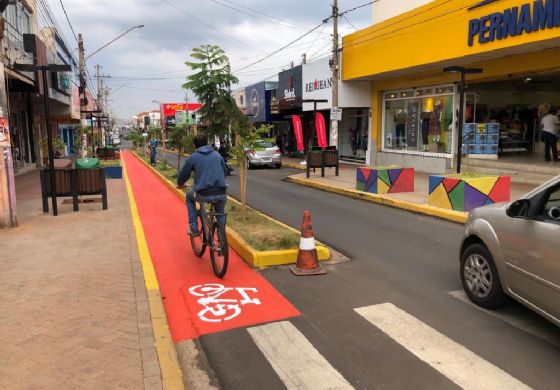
<point>218,309</point>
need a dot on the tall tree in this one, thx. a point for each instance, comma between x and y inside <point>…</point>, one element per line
<point>211,83</point>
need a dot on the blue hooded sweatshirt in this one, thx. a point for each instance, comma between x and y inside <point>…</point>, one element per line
<point>210,172</point>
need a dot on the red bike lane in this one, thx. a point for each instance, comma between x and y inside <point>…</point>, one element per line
<point>195,300</point>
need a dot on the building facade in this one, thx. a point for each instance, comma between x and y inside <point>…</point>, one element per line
<point>415,104</point>
<point>22,109</point>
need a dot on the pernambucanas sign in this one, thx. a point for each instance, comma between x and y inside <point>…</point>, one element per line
<point>527,18</point>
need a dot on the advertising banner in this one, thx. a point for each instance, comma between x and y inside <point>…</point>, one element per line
<point>321,130</point>
<point>298,131</point>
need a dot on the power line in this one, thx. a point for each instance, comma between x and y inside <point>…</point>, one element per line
<point>359,42</point>
<point>283,47</point>
<point>210,26</point>
<point>256,14</point>
<point>68,20</point>
<point>349,22</point>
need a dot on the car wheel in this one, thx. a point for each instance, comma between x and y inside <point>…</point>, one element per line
<point>278,166</point>
<point>249,165</point>
<point>480,278</point>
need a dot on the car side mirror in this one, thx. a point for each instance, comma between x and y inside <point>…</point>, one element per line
<point>518,209</point>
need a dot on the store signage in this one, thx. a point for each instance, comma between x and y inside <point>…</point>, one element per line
<point>298,132</point>
<point>255,102</point>
<point>318,85</point>
<point>274,104</point>
<point>336,114</point>
<point>535,16</point>
<point>412,128</point>
<point>290,92</point>
<point>321,129</point>
<point>290,88</point>
<point>170,121</point>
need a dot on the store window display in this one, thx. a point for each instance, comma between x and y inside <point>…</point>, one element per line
<point>419,120</point>
<point>353,135</point>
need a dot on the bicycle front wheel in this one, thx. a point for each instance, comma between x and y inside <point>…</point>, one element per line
<point>198,243</point>
<point>219,249</point>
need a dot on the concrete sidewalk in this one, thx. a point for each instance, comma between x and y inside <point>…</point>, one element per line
<point>416,201</point>
<point>75,313</point>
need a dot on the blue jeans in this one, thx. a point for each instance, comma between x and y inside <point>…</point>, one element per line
<point>550,144</point>
<point>153,153</point>
<point>220,208</point>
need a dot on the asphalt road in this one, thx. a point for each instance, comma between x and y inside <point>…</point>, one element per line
<point>397,257</point>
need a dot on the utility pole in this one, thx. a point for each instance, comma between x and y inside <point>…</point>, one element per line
<point>99,104</point>
<point>335,76</point>
<point>82,91</point>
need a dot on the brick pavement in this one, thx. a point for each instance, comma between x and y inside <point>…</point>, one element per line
<point>73,304</point>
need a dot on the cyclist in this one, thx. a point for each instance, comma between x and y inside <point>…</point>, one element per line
<point>209,181</point>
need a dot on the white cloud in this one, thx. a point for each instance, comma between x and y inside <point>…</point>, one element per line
<point>169,35</point>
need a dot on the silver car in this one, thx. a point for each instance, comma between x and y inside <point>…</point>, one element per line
<point>266,153</point>
<point>513,249</point>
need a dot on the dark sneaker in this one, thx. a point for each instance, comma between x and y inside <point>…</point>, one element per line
<point>193,232</point>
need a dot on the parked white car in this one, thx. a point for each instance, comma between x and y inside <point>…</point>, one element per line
<point>266,153</point>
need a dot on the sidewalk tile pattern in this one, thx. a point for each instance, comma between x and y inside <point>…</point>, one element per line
<point>385,180</point>
<point>74,307</point>
<point>467,194</point>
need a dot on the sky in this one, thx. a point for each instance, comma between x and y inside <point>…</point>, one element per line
<point>148,64</point>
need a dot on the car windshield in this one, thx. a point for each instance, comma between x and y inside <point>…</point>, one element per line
<point>265,144</point>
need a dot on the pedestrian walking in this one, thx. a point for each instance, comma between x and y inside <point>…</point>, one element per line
<point>153,150</point>
<point>549,135</point>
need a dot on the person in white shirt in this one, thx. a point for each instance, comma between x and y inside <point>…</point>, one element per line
<point>549,135</point>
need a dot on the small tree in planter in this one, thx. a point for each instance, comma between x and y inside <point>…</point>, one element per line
<point>182,140</point>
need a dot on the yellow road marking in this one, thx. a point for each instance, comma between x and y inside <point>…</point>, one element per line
<point>172,376</point>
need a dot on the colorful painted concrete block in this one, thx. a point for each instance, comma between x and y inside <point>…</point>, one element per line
<point>469,193</point>
<point>385,180</point>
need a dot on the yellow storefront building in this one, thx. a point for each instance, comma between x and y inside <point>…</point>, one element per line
<point>415,104</point>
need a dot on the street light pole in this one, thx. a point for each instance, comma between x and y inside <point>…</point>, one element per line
<point>113,40</point>
<point>463,71</point>
<point>461,120</point>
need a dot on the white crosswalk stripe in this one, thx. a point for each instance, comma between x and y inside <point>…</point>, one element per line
<point>538,327</point>
<point>453,360</point>
<point>298,364</point>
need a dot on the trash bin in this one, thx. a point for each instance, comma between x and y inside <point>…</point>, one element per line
<point>87,163</point>
<point>62,163</point>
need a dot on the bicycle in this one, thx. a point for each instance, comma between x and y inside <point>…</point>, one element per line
<point>212,234</point>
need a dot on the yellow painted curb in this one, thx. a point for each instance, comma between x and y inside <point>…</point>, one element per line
<point>449,215</point>
<point>293,166</point>
<point>256,259</point>
<point>171,374</point>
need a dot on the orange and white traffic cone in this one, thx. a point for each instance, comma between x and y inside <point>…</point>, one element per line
<point>307,260</point>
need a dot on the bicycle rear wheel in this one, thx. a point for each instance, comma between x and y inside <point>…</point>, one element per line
<point>199,242</point>
<point>219,253</point>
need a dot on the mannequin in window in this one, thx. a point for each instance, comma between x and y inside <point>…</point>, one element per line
<point>400,127</point>
<point>425,116</point>
<point>435,120</point>
<point>353,137</point>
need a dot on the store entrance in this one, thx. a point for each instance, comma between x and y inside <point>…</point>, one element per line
<point>514,105</point>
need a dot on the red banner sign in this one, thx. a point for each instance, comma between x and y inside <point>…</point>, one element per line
<point>298,131</point>
<point>321,130</point>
